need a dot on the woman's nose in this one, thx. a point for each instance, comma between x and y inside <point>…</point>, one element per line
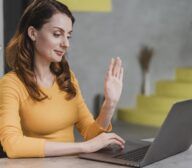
<point>65,43</point>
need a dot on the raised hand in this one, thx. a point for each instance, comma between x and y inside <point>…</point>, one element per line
<point>112,91</point>
<point>114,81</point>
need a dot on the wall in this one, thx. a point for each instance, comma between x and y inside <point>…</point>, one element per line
<point>165,25</point>
<point>1,38</point>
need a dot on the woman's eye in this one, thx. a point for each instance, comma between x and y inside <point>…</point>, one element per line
<point>56,34</point>
<point>69,37</point>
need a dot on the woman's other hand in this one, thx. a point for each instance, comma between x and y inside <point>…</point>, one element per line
<point>101,141</point>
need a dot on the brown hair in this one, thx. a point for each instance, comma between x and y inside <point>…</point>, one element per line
<point>20,49</point>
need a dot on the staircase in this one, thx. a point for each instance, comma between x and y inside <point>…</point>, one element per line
<point>152,110</point>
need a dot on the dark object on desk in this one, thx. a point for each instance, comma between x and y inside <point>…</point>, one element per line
<point>175,136</point>
<point>98,101</point>
<point>2,153</point>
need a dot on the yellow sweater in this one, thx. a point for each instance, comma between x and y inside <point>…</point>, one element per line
<point>25,124</point>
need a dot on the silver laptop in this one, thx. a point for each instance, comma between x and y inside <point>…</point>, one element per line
<point>175,136</point>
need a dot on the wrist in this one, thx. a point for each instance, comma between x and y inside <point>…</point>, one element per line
<point>110,104</point>
<point>84,147</point>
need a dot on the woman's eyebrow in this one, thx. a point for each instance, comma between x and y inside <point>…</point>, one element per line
<point>62,29</point>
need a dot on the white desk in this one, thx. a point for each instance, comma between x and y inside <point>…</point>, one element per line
<point>182,160</point>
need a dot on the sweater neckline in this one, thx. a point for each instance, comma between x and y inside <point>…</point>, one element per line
<point>48,88</point>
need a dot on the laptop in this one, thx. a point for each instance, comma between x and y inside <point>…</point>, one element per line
<point>174,136</point>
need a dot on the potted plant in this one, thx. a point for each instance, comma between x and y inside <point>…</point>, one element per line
<point>145,56</point>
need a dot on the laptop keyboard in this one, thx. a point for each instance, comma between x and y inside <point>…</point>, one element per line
<point>136,155</point>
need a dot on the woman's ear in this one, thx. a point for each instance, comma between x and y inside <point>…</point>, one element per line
<point>32,33</point>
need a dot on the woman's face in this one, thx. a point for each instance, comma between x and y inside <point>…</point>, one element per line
<point>52,40</point>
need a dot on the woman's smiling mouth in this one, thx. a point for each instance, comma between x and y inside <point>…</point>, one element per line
<point>59,53</point>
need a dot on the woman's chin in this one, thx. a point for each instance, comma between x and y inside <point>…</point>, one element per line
<point>57,59</point>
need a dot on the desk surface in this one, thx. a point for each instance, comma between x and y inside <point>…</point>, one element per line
<point>182,160</point>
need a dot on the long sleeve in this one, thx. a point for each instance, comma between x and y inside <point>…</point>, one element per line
<point>86,124</point>
<point>14,143</point>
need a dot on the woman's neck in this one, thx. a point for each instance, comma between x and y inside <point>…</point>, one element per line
<point>43,74</point>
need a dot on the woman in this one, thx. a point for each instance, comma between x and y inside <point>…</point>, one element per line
<point>40,99</point>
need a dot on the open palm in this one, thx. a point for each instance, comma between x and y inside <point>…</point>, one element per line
<point>114,81</point>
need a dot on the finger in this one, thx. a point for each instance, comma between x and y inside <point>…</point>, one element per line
<point>114,67</point>
<point>117,137</point>
<point>111,66</point>
<point>117,67</point>
<point>121,74</point>
<point>107,75</point>
<point>114,141</point>
<point>114,135</point>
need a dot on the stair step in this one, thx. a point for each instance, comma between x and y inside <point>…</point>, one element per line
<point>156,103</point>
<point>184,74</point>
<point>174,89</point>
<point>152,110</point>
<point>136,116</point>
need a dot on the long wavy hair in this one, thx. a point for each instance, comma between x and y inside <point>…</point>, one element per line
<point>20,49</point>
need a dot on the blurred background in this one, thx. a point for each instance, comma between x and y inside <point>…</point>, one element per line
<point>129,29</point>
